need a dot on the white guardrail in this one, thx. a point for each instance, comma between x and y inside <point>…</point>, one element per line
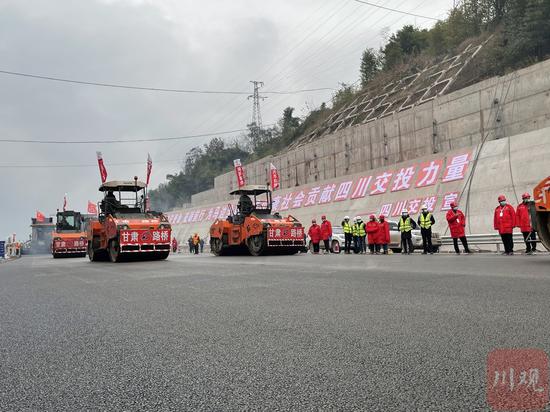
<point>486,239</point>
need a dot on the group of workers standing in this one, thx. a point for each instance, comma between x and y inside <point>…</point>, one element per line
<point>374,235</point>
<point>506,218</point>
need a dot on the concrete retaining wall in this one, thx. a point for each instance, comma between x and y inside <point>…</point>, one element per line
<point>507,166</point>
<point>495,108</point>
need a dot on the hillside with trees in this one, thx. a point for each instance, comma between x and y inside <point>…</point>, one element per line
<point>519,35</point>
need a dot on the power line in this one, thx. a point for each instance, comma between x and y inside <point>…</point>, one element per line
<point>119,141</point>
<point>396,10</point>
<point>35,166</point>
<point>160,139</point>
<point>153,89</point>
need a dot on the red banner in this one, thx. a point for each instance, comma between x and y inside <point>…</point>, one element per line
<point>102,170</point>
<point>70,244</point>
<point>275,183</point>
<point>441,170</point>
<point>92,208</point>
<point>239,171</point>
<point>149,168</point>
<point>144,237</point>
<point>286,233</point>
<point>40,217</point>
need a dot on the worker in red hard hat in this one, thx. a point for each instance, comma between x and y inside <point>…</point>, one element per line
<point>504,222</point>
<point>372,231</point>
<point>383,235</point>
<point>314,234</point>
<point>523,221</point>
<point>457,224</point>
<point>326,233</point>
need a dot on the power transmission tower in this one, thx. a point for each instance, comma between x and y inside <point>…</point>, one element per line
<point>256,124</point>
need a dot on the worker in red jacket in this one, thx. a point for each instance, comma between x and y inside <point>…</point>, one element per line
<point>504,222</point>
<point>457,224</point>
<point>372,232</point>
<point>326,233</point>
<point>523,221</point>
<point>315,236</point>
<point>383,235</point>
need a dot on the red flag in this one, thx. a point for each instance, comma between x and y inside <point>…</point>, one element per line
<point>92,208</point>
<point>274,177</point>
<point>149,168</point>
<point>102,170</point>
<point>40,217</point>
<point>65,202</point>
<point>239,171</point>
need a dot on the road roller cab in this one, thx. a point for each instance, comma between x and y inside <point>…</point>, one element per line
<point>125,227</point>
<point>254,228</point>
<point>68,237</point>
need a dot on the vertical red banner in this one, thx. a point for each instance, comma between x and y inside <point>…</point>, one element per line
<point>239,171</point>
<point>92,208</point>
<point>149,168</point>
<point>102,170</point>
<point>275,182</point>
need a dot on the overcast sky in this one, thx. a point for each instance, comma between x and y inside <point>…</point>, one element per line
<point>184,44</point>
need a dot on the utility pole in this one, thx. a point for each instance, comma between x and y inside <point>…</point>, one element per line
<point>256,112</point>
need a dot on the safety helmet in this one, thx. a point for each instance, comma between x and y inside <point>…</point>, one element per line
<point>453,205</point>
<point>381,217</point>
<point>346,217</point>
<point>526,196</point>
<point>424,206</point>
<point>372,217</point>
<point>359,218</point>
<point>323,217</point>
<point>313,220</point>
<point>404,212</point>
<point>501,198</point>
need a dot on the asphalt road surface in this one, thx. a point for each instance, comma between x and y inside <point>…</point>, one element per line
<point>376,333</point>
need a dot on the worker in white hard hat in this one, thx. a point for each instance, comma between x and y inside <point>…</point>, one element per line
<point>406,225</point>
<point>426,221</point>
<point>347,227</point>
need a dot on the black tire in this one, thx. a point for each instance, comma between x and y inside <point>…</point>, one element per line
<point>114,251</point>
<point>95,254</point>
<point>216,246</point>
<point>91,252</point>
<point>256,245</point>
<point>336,247</point>
<point>55,255</point>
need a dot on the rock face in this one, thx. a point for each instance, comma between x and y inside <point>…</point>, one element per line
<point>488,139</point>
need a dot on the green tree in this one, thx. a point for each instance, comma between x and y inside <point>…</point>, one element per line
<point>406,42</point>
<point>370,66</point>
